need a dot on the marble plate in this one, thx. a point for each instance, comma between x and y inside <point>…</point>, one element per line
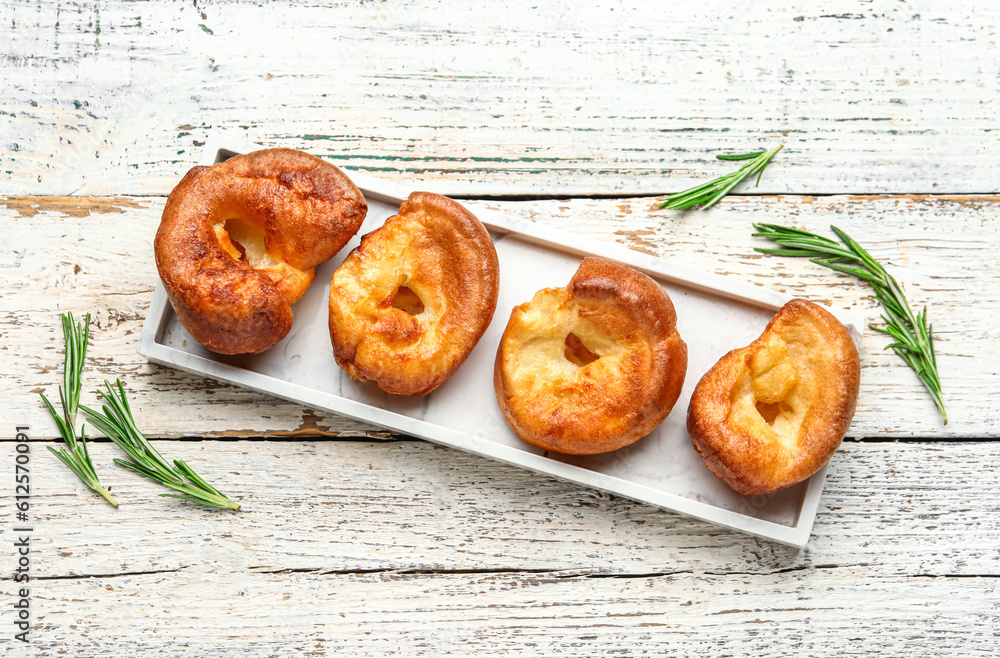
<point>662,469</point>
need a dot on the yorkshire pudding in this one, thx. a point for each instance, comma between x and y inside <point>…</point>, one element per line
<point>239,241</point>
<point>769,415</point>
<point>411,301</point>
<point>594,366</point>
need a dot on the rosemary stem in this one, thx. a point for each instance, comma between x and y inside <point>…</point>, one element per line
<point>119,425</point>
<point>107,495</point>
<point>708,194</point>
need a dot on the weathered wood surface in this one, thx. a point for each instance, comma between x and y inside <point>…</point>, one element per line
<point>421,549</point>
<point>843,612</point>
<point>353,541</point>
<point>516,97</point>
<point>94,254</point>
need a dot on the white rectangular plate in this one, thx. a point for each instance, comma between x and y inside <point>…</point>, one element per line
<point>715,314</point>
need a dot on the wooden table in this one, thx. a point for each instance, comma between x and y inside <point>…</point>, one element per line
<point>575,114</point>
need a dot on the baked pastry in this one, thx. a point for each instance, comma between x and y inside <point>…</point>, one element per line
<point>239,241</point>
<point>411,301</point>
<point>594,366</point>
<point>769,415</point>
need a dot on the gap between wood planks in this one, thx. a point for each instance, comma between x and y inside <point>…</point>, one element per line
<point>553,574</point>
<point>28,205</point>
<point>983,197</point>
<point>391,437</point>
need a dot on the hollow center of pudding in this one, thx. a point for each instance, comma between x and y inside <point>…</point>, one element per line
<point>577,352</point>
<point>773,383</point>
<point>245,242</point>
<point>407,301</point>
<point>770,411</point>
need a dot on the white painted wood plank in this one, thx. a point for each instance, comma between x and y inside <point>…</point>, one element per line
<point>515,97</point>
<point>913,509</point>
<point>478,558</point>
<point>944,250</point>
<point>781,615</point>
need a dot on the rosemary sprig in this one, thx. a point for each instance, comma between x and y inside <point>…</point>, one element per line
<point>119,425</point>
<point>709,193</point>
<point>913,337</point>
<point>77,457</point>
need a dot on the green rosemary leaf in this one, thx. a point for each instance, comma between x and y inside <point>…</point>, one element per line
<point>723,190</point>
<point>71,464</point>
<point>194,477</point>
<point>69,438</point>
<point>903,340</point>
<point>913,339</point>
<point>808,246</point>
<point>75,456</point>
<point>740,156</point>
<point>140,469</point>
<point>790,231</point>
<point>192,499</point>
<point>781,252</point>
<point>845,269</point>
<point>863,255</point>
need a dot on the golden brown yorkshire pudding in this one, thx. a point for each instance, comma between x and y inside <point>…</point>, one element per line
<point>594,366</point>
<point>771,414</point>
<point>239,242</point>
<point>411,301</point>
